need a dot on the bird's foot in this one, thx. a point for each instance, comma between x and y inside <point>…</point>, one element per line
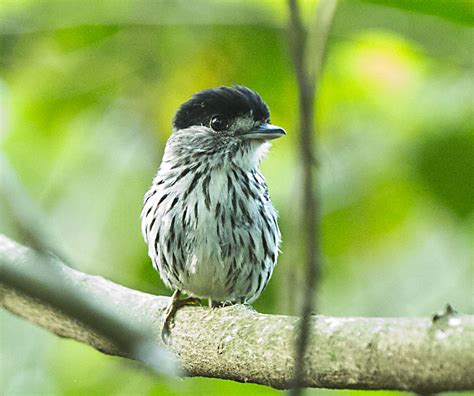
<point>170,312</point>
<point>219,304</point>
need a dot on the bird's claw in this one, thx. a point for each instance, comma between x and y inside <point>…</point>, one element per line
<point>170,312</point>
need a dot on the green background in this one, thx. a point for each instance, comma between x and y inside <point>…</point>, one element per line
<point>88,90</point>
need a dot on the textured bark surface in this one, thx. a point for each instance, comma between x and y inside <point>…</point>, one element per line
<point>417,354</point>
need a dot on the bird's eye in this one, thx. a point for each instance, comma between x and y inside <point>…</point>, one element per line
<point>218,123</point>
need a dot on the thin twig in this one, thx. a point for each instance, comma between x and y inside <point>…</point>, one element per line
<point>44,281</point>
<point>308,53</point>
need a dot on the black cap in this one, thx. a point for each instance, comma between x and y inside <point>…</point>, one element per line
<point>228,102</point>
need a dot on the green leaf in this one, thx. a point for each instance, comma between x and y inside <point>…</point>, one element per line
<point>459,11</point>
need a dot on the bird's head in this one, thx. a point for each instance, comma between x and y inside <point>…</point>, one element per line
<point>224,122</point>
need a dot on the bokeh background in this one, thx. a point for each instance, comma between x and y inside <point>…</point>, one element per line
<point>88,90</point>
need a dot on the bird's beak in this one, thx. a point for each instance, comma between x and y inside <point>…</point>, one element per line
<point>264,132</point>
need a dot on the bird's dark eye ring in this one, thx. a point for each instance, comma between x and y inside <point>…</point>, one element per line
<point>218,123</point>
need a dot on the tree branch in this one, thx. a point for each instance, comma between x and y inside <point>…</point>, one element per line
<point>237,343</point>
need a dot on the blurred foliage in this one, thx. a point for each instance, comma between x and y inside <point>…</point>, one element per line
<point>456,10</point>
<point>445,160</point>
<point>88,90</point>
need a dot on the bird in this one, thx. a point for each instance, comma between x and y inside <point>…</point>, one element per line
<point>211,229</point>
